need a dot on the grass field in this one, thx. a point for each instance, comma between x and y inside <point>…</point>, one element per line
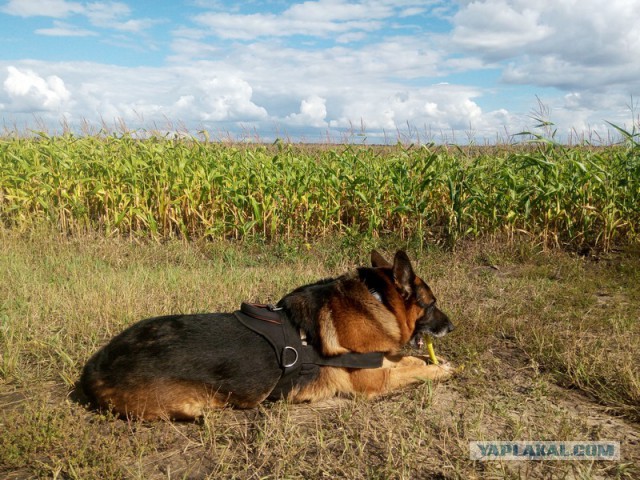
<point>549,341</point>
<point>533,251</point>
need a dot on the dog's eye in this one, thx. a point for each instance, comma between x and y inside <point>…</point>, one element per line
<point>431,305</point>
<point>375,294</point>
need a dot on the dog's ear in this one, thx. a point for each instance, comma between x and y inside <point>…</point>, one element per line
<point>378,260</point>
<point>403,273</point>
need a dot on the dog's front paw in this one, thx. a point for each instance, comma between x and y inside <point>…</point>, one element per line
<point>446,369</point>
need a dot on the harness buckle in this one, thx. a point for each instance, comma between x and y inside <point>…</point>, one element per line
<point>288,365</point>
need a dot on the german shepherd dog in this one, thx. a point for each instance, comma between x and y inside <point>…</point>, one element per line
<point>176,366</point>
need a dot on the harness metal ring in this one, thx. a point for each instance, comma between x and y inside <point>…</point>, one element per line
<point>287,365</point>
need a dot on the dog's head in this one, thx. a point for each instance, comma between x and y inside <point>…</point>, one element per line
<point>374,309</point>
<point>409,297</point>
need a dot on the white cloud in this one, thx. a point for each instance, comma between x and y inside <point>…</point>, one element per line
<point>108,15</point>
<point>185,49</point>
<point>218,95</point>
<point>103,14</point>
<point>42,8</point>
<point>28,92</point>
<point>559,43</point>
<point>115,15</point>
<point>321,18</point>
<point>338,10</point>
<point>140,96</point>
<point>498,26</point>
<point>313,111</point>
<point>61,29</point>
<point>224,97</point>
<point>247,27</point>
<point>441,107</point>
<point>351,37</point>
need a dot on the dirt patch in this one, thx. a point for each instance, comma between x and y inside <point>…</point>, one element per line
<point>540,402</point>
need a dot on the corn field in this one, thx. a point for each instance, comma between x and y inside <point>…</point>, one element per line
<point>116,184</point>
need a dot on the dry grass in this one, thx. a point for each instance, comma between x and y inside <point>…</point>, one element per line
<point>547,340</point>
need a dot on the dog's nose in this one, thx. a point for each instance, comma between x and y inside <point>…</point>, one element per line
<point>448,326</point>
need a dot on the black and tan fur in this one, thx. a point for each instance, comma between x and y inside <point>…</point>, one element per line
<point>176,366</point>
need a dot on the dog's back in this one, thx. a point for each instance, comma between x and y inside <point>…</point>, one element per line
<point>177,365</point>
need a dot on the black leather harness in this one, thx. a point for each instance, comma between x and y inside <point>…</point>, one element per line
<point>294,356</point>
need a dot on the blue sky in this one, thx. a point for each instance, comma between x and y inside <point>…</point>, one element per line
<point>323,69</point>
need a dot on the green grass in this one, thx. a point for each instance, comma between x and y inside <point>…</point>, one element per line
<point>547,340</point>
<point>582,197</point>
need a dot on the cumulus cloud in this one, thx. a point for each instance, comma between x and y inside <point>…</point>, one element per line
<point>556,43</point>
<point>441,107</point>
<point>498,27</point>
<point>141,96</point>
<point>223,97</point>
<point>218,96</point>
<point>313,111</point>
<point>28,92</point>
